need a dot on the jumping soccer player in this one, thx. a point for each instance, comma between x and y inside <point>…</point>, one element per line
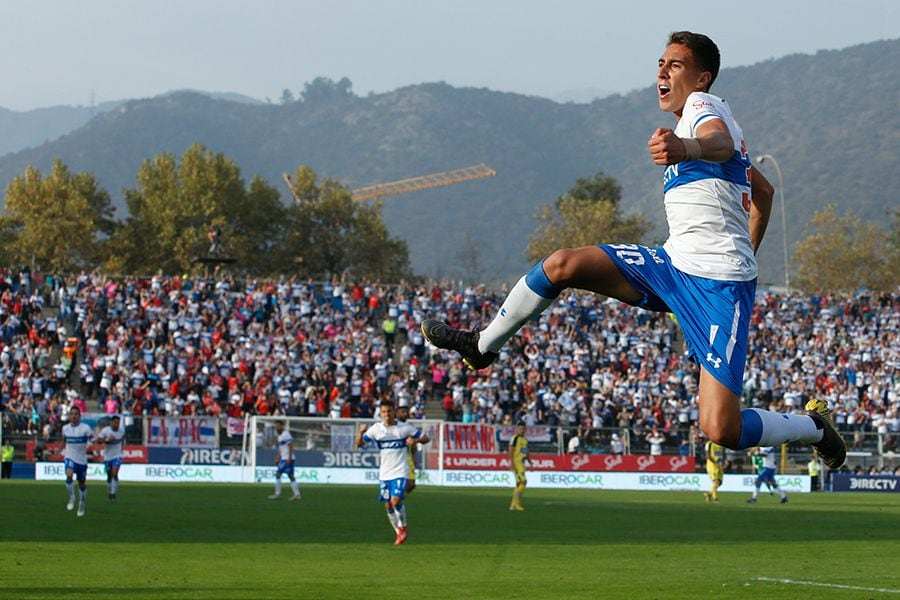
<point>284,461</point>
<point>714,461</point>
<point>76,436</point>
<point>392,438</point>
<point>717,208</point>
<point>518,456</point>
<point>403,416</point>
<point>766,475</point>
<point>112,436</point>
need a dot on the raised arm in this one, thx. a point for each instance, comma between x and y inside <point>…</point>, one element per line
<point>712,144</point>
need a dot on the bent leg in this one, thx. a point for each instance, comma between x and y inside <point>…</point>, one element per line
<point>723,421</point>
<point>588,268</point>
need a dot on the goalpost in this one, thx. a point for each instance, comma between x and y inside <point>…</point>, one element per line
<point>325,452</point>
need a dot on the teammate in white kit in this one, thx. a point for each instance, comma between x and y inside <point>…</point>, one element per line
<point>76,437</point>
<point>766,474</point>
<point>284,461</point>
<point>392,439</point>
<point>717,207</point>
<point>113,438</point>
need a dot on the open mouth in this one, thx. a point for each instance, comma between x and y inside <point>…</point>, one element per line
<point>664,91</point>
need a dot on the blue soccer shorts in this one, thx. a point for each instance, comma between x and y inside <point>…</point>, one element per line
<point>766,475</point>
<point>714,315</point>
<point>392,488</point>
<point>116,462</point>
<point>285,467</point>
<point>80,471</point>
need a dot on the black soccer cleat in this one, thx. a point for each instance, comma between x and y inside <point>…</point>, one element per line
<point>831,449</point>
<point>465,343</point>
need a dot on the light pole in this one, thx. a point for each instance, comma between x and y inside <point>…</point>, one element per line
<point>787,272</point>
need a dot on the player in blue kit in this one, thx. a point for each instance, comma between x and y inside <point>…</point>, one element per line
<point>113,438</point>
<point>76,436</point>
<point>717,208</point>
<point>392,438</point>
<point>284,462</point>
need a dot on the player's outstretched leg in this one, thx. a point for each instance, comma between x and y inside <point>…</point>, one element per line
<point>465,343</point>
<point>832,448</point>
<point>295,487</point>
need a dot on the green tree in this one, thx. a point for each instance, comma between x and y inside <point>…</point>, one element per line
<point>329,233</point>
<point>62,222</point>
<point>586,214</point>
<point>844,253</point>
<point>176,203</point>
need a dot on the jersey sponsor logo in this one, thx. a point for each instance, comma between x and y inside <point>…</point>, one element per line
<point>698,104</point>
<point>391,444</point>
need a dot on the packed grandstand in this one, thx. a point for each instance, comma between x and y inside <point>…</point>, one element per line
<point>167,345</point>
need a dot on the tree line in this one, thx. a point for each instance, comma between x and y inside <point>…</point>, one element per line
<point>64,222</point>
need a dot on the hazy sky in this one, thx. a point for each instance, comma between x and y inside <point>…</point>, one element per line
<point>60,51</point>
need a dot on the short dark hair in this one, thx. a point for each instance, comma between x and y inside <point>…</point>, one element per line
<point>279,421</point>
<point>705,51</point>
<point>387,403</point>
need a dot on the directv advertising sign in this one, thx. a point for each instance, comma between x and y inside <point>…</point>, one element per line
<point>844,482</point>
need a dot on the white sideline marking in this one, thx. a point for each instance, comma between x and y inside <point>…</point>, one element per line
<point>830,585</point>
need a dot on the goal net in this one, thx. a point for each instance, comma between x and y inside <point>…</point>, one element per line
<point>324,450</point>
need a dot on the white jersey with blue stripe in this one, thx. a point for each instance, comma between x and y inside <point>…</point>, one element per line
<point>285,439</point>
<point>768,456</point>
<point>391,441</point>
<point>113,448</point>
<point>708,204</point>
<point>77,438</point>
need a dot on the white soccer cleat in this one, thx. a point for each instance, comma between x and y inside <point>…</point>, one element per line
<point>296,497</point>
<point>274,496</point>
<point>81,510</point>
<point>71,504</point>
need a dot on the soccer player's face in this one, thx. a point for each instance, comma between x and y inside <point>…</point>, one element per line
<point>387,414</point>
<point>74,416</point>
<point>115,424</point>
<point>677,76</point>
<point>402,413</point>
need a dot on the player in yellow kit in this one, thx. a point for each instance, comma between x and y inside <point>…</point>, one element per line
<point>714,460</point>
<point>518,456</point>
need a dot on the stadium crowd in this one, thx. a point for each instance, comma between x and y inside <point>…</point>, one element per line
<point>225,346</point>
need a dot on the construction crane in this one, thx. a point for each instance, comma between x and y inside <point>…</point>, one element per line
<point>403,186</point>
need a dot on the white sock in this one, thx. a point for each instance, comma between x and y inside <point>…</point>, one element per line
<point>392,517</point>
<point>401,515</point>
<point>521,304</point>
<point>755,493</point>
<point>779,428</point>
<point>70,487</point>
<point>295,486</point>
<point>114,486</point>
<point>83,497</point>
<point>278,487</point>
<point>781,493</point>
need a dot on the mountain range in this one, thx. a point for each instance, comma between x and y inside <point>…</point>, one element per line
<point>831,121</point>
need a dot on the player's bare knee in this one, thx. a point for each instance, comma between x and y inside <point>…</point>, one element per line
<point>722,432</point>
<point>560,266</point>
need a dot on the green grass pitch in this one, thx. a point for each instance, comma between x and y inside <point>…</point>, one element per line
<point>217,541</point>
